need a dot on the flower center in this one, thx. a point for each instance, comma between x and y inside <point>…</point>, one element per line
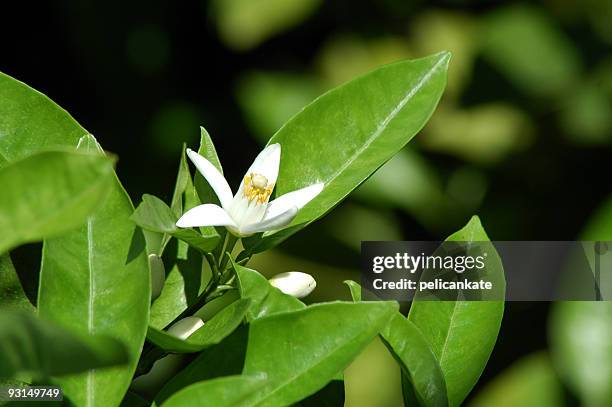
<point>256,188</point>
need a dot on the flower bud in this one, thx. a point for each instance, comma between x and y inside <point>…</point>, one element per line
<point>158,275</point>
<point>185,327</point>
<point>294,283</point>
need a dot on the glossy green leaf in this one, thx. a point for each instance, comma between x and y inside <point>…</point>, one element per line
<point>49,193</point>
<point>224,359</point>
<point>213,331</point>
<point>580,333</point>
<point>422,377</point>
<point>265,299</point>
<point>222,392</point>
<point>529,382</point>
<point>298,359</point>
<point>182,286</point>
<point>154,215</point>
<point>95,280</point>
<point>30,122</point>
<point>462,333</point>
<point>342,144</point>
<point>33,346</point>
<point>12,296</point>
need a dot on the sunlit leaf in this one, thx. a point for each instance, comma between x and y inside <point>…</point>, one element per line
<point>49,193</point>
<point>154,215</point>
<point>265,299</point>
<point>222,392</point>
<point>341,144</point>
<point>95,280</point>
<point>462,333</point>
<point>297,359</point>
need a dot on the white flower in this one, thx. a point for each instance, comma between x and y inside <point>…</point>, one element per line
<point>248,211</point>
<point>294,283</point>
<point>185,327</point>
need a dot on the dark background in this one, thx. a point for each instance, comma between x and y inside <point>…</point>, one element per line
<point>142,76</point>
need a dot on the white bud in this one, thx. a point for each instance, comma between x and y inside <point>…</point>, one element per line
<point>294,283</point>
<point>185,327</point>
<point>158,275</point>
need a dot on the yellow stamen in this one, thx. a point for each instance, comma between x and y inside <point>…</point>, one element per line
<point>256,187</point>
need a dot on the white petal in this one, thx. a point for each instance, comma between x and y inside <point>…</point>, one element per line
<point>185,327</point>
<point>294,283</point>
<point>297,198</point>
<point>205,215</point>
<point>267,163</point>
<point>277,222</point>
<point>213,176</point>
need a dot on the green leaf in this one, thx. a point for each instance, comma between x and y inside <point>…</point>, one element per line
<point>213,331</point>
<point>462,333</point>
<point>345,135</point>
<point>32,346</point>
<point>422,377</point>
<point>95,280</point>
<point>580,333</point>
<point>30,122</point>
<point>355,289</point>
<point>224,359</point>
<point>12,296</point>
<point>154,215</point>
<point>529,382</point>
<point>49,193</point>
<point>222,392</point>
<point>266,299</point>
<point>182,286</point>
<point>298,359</point>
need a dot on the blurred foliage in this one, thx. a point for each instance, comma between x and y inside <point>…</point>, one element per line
<point>580,333</point>
<point>244,24</point>
<point>529,382</point>
<point>540,40</point>
<point>599,226</point>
